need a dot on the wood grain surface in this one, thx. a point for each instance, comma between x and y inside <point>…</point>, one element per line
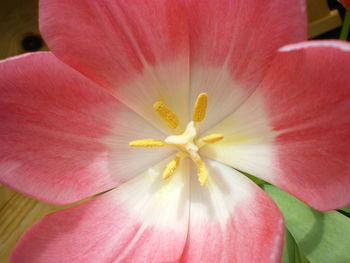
<point>18,20</point>
<point>17,213</point>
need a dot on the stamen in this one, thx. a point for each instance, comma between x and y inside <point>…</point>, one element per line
<point>171,167</point>
<point>212,138</point>
<point>184,141</point>
<point>200,107</point>
<point>166,114</point>
<point>146,143</point>
<point>202,173</point>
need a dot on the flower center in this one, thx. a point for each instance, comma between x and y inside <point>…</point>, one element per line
<point>185,142</point>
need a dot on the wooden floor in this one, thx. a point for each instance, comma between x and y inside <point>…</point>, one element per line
<point>17,213</point>
<point>18,20</point>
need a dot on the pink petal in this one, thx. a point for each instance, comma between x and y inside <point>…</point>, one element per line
<point>248,139</point>
<point>144,220</point>
<point>307,93</point>
<point>62,137</point>
<point>232,45</point>
<point>293,131</point>
<point>232,220</point>
<point>139,51</point>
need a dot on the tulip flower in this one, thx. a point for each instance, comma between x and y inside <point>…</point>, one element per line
<point>163,103</point>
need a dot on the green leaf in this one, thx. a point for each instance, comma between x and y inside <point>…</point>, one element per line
<point>291,252</point>
<point>346,27</point>
<point>289,245</point>
<point>346,209</point>
<point>321,237</point>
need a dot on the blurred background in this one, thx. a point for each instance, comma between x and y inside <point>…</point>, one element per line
<point>19,34</point>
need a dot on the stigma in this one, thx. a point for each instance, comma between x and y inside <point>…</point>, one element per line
<point>186,142</point>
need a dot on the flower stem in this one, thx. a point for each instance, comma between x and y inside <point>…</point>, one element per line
<point>345,28</point>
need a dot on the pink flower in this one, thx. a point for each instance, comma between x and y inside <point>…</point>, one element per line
<point>68,116</point>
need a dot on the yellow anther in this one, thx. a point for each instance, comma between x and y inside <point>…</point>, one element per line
<point>146,143</point>
<point>171,167</point>
<point>166,114</point>
<point>212,138</point>
<point>202,173</point>
<point>200,107</point>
